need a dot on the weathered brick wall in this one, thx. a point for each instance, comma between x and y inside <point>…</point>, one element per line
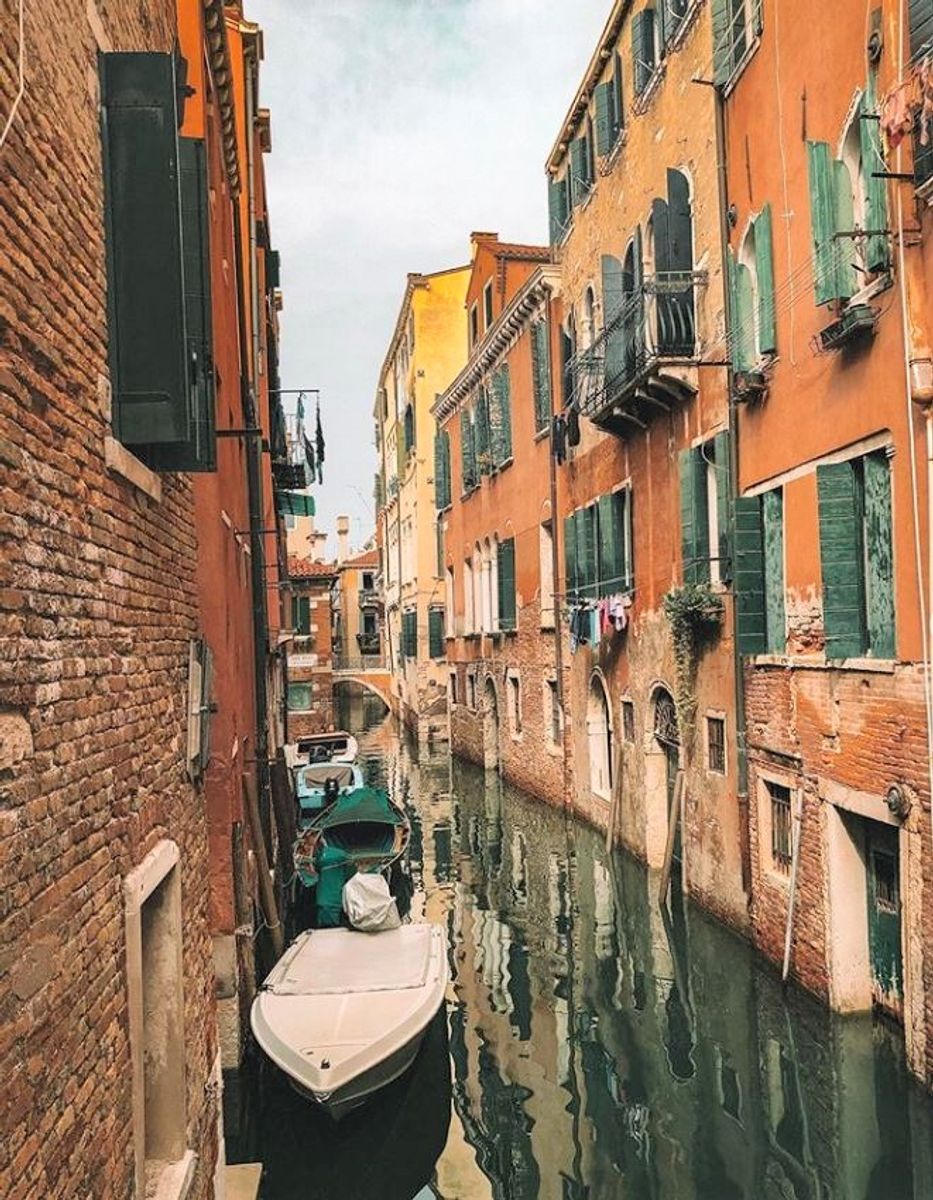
<point>98,603</point>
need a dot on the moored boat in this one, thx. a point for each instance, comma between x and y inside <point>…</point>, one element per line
<point>318,785</point>
<point>368,830</point>
<point>338,746</point>
<point>343,1013</point>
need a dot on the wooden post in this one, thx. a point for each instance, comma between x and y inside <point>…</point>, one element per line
<point>266,893</point>
<point>791,903</point>
<point>673,819</point>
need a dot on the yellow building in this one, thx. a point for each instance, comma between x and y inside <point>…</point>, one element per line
<point>427,350</point>
<point>357,613</point>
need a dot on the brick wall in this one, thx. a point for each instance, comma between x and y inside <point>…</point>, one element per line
<point>97,604</point>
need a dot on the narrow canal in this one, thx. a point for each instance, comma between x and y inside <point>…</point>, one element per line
<point>594,1045</point>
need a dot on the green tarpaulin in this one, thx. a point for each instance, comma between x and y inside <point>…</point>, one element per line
<point>294,504</point>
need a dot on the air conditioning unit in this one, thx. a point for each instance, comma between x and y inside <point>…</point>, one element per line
<point>856,322</point>
<point>749,386</point>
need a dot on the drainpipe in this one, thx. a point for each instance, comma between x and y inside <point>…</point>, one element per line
<point>741,750</point>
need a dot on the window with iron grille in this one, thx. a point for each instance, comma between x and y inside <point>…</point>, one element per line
<point>716,744</point>
<point>628,720</point>
<point>781,844</point>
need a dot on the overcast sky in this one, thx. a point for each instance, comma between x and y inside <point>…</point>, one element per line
<point>398,127</point>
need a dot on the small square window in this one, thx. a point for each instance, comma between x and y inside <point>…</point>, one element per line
<point>781,844</point>
<point>628,720</point>
<point>716,744</point>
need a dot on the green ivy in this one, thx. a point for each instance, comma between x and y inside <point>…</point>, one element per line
<point>695,613</point>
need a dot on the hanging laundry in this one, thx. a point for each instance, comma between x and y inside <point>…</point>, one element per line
<point>319,444</point>
<point>309,456</point>
<point>573,426</point>
<point>618,609</point>
<point>300,411</point>
<point>925,80</point>
<point>605,622</point>
<point>558,439</point>
<point>897,112</point>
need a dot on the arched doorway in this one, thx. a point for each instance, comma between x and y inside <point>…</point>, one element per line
<point>490,727</point>
<point>599,738</point>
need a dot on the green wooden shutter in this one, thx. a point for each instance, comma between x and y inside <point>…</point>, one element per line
<point>145,293</point>
<point>506,574</point>
<point>301,614</point>
<point>877,257</point>
<point>772,515</point>
<point>625,499</point>
<point>822,220</point>
<point>558,208</point>
<point>446,466</point>
<point>618,99</point>
<point>606,571</point>
<point>590,544</point>
<point>436,646</point>
<point>744,338</point>
<point>764,269</point>
<point>722,41</point>
<point>503,403</point>
<point>613,298</point>
<point>758,22</point>
<point>723,463</point>
<point>579,169</point>
<point>694,527</point>
<point>604,118</point>
<point>750,624</point>
<point>846,276</point>
<point>643,48</point>
<point>467,455</point>
<point>879,592</point>
<point>482,432</point>
<point>841,560</point>
<point>571,582</point>
<point>495,424</point>
<point>541,375</point>
<point>439,501</point>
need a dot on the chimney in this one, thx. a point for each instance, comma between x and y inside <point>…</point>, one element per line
<point>343,535</point>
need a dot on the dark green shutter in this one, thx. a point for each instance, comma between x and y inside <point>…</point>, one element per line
<point>605,139</point>
<point>588,549</point>
<point>482,432</point>
<point>436,646</point>
<point>467,451</point>
<point>723,464</point>
<point>841,560</point>
<point>772,519</point>
<point>847,282</point>
<point>579,169</point>
<point>503,405</point>
<point>764,269</point>
<point>541,375</point>
<point>879,592</point>
<point>877,256</point>
<point>558,208</point>
<point>618,99</point>
<point>920,19</point>
<point>610,565</point>
<point>147,339</point>
<point>694,525</point>
<point>643,48</point>
<point>506,583</point>
<point>613,297</point>
<point>571,582</point>
<point>625,500</point>
<point>301,614</point>
<point>750,623</point>
<point>442,469</point>
<point>722,41</point>
<point>822,220</point>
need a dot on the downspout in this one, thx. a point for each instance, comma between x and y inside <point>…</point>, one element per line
<point>741,738</point>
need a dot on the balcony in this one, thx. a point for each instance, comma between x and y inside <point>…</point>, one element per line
<point>645,360</point>
<point>370,598</point>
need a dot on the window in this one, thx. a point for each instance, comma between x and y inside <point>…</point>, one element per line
<point>410,634</point>
<point>856,557</point>
<point>449,621</point>
<point>716,745</point>
<point>437,646</point>
<point>367,584</point>
<point>469,613</point>
<point>598,547</point>
<point>736,25</point>
<point>781,843</point>
<point>408,434</point>
<point>158,268</point>
<point>474,325</point>
<point>759,573</point>
<point>515,703</point>
<point>546,574</point>
<point>471,689</point>
<point>553,712</point>
<point>368,627</point>
<point>299,697</point>
<point>452,687</point>
<point>411,333</point>
<point>568,348</point>
<point>644,48</point>
<point>751,293</point>
<point>505,556</point>
<point>582,175</point>
<point>628,720</point>
<point>468,471</point>
<point>559,208</point>
<point>705,492</point>
<point>442,493</point>
<point>609,111</point>
<point>541,374</point>
<point>301,614</point>
<point>487,305</point>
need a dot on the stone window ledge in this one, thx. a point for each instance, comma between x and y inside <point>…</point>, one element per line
<point>877,666</point>
<point>122,462</point>
<point>174,1179</point>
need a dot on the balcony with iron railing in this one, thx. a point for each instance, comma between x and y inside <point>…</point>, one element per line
<point>369,598</point>
<point>644,360</point>
<point>367,655</point>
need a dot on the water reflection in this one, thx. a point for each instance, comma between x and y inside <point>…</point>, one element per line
<point>604,1048</point>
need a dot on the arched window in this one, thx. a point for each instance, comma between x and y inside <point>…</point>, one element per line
<point>633,306</point>
<point>599,738</point>
<point>673,323</point>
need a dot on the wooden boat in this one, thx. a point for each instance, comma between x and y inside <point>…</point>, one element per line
<point>320,784</point>
<point>369,830</point>
<point>339,746</point>
<point>343,1013</point>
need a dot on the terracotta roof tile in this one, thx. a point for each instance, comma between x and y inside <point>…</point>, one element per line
<point>369,558</point>
<point>518,250</point>
<point>306,568</point>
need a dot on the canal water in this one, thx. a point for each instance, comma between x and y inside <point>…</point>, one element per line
<point>593,1044</point>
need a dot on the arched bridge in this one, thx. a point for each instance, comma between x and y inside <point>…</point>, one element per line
<point>369,671</point>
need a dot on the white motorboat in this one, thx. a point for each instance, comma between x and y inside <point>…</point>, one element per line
<point>335,747</point>
<point>344,1013</point>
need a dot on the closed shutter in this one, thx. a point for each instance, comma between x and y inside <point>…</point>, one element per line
<point>558,209</point>
<point>879,592</point>
<point>625,501</point>
<point>482,432</point>
<point>618,96</point>
<point>723,463</point>
<point>571,581</point>
<point>772,515</point>
<point>495,424</point>
<point>722,41</point>
<point>506,574</point>
<point>439,501</point>
<point>822,220</point>
<point>694,529</point>
<point>643,48</point>
<point>579,170</point>
<point>613,297</point>
<point>605,139</point>
<point>750,625</point>
<point>841,560</point>
<point>846,275</point>
<point>764,269</point>
<point>588,549</point>
<point>609,571</point>
<point>503,402</point>
<point>541,374</point>
<point>877,255</point>
<point>145,293</point>
<point>436,646</point>
<point>467,458</point>
<point>664,301</point>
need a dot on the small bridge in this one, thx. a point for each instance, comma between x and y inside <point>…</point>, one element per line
<point>368,671</point>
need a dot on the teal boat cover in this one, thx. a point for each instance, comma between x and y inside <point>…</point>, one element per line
<point>366,804</point>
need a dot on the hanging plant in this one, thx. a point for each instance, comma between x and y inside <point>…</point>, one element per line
<point>695,612</point>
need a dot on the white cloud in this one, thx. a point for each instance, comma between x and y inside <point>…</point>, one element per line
<point>398,127</point>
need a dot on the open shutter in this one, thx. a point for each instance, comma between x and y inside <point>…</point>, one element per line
<point>822,220</point>
<point>625,502</point>
<point>764,268</point>
<point>742,333</point>
<point>558,209</point>
<point>694,530</point>
<point>877,256</point>
<point>643,48</point>
<point>750,627</point>
<point>591,549</point>
<point>722,41</point>
<point>879,591</point>
<point>579,170</point>
<point>841,560</point>
<point>441,496</point>
<point>506,576</point>
<point>609,567</point>
<point>847,283</point>
<point>680,260</point>
<point>618,99</point>
<point>467,457</point>
<point>541,375</point>
<point>145,294</point>
<point>495,424</point>
<point>604,118</point>
<point>482,432</point>
<point>613,297</point>
<point>724,505</point>
<point>772,518</point>
<point>571,582</point>
<point>503,405</point>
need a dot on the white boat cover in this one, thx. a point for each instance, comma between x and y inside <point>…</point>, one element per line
<point>368,903</point>
<point>343,961</point>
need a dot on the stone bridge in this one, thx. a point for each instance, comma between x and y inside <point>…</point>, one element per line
<point>368,672</point>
